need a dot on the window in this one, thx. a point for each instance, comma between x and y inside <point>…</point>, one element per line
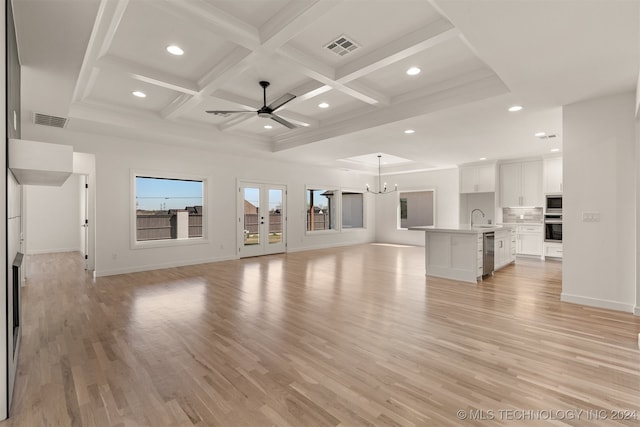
<point>321,205</point>
<point>416,208</point>
<point>352,210</point>
<point>168,209</point>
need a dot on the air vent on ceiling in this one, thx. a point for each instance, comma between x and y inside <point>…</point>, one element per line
<point>47,120</point>
<point>548,136</point>
<point>342,45</point>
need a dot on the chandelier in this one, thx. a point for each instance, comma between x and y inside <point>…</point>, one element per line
<point>382,188</point>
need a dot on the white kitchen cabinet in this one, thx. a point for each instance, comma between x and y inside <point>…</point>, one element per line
<point>552,173</point>
<point>553,250</point>
<point>478,179</point>
<point>529,240</point>
<point>505,251</point>
<point>521,184</point>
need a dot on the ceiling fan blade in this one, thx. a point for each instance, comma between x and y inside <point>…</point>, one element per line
<point>283,121</point>
<point>281,101</point>
<point>223,112</point>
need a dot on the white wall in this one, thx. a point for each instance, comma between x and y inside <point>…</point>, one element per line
<point>486,202</point>
<point>3,225</point>
<point>599,264</point>
<point>116,158</point>
<point>53,217</point>
<point>447,200</point>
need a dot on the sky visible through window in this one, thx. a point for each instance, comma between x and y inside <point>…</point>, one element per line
<point>252,195</point>
<point>162,194</point>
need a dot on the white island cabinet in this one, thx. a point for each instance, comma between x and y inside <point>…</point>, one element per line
<point>456,252</point>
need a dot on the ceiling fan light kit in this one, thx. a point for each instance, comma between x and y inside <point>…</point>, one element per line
<point>266,111</point>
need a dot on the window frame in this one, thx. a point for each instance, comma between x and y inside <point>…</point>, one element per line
<point>337,209</point>
<point>146,244</point>
<point>398,211</point>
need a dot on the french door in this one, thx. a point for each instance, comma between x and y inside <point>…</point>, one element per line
<point>262,219</point>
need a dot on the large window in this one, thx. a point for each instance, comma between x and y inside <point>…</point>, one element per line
<point>416,208</point>
<point>352,210</point>
<point>168,208</point>
<point>321,209</point>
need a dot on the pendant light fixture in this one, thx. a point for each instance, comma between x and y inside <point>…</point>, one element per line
<point>382,188</point>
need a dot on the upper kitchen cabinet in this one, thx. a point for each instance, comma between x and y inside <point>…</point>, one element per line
<point>521,184</point>
<point>553,175</point>
<point>478,179</point>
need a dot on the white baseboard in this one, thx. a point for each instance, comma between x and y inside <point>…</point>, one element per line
<point>51,251</point>
<point>327,246</point>
<point>140,268</point>
<point>600,303</point>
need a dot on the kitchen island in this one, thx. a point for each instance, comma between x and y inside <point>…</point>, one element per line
<point>456,252</point>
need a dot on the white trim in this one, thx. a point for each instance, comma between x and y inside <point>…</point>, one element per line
<point>161,266</point>
<point>636,311</point>
<point>51,251</point>
<point>596,302</point>
<point>328,246</point>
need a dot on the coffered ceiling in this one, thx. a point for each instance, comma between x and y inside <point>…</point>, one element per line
<point>476,59</point>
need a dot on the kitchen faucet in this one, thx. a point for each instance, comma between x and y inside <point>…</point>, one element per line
<point>471,216</point>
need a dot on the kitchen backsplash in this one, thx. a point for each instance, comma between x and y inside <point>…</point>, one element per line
<point>523,215</point>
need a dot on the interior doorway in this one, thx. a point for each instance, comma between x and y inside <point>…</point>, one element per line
<point>262,218</point>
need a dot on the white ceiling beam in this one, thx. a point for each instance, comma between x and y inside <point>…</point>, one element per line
<point>108,19</point>
<point>212,19</point>
<point>321,72</point>
<point>433,35</point>
<point>147,74</point>
<point>233,64</point>
<point>363,93</point>
<point>293,19</point>
<point>237,120</point>
<point>474,90</point>
<point>240,101</point>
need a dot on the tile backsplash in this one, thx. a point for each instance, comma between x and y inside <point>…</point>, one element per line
<point>523,215</point>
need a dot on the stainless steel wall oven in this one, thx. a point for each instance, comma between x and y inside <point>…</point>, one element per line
<point>553,228</point>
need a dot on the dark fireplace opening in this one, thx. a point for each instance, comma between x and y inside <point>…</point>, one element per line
<point>17,265</point>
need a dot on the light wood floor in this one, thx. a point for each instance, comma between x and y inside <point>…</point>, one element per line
<point>353,336</point>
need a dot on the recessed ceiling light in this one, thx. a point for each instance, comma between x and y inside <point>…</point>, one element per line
<point>323,105</point>
<point>139,94</point>
<point>539,134</point>
<point>268,127</point>
<point>413,71</point>
<point>409,131</point>
<point>515,108</point>
<point>555,150</point>
<point>483,158</point>
<point>175,50</point>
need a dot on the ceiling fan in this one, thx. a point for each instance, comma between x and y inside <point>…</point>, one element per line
<point>266,111</point>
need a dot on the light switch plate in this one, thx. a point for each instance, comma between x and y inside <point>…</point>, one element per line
<point>591,216</point>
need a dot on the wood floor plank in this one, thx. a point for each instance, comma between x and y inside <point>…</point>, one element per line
<point>352,336</point>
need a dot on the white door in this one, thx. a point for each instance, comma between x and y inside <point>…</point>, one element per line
<point>262,219</point>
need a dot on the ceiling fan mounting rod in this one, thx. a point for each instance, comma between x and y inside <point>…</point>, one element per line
<point>264,85</point>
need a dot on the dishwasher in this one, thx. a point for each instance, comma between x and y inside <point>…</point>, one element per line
<point>488,253</point>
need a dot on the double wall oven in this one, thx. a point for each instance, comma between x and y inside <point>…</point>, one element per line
<point>553,218</point>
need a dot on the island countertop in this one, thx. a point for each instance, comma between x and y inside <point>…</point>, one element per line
<point>461,228</point>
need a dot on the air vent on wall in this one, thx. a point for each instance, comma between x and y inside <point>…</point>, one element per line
<point>342,45</point>
<point>547,136</point>
<point>47,120</point>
